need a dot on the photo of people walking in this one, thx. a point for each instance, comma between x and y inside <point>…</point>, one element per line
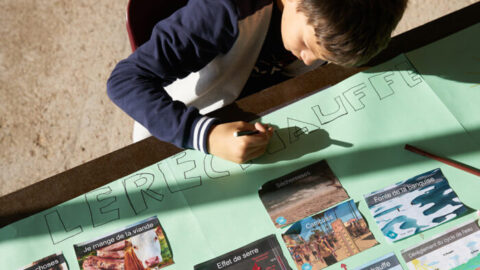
<point>328,237</point>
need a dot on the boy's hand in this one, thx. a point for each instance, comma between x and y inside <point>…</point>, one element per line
<point>222,143</point>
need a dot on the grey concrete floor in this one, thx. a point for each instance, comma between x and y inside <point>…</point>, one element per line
<point>55,58</point>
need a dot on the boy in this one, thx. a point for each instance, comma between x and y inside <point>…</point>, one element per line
<point>204,55</point>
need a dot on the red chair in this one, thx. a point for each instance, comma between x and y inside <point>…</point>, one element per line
<point>142,15</point>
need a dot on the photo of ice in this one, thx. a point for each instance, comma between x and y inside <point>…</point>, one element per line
<point>415,205</point>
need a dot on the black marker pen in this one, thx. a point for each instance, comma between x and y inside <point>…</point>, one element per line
<point>246,132</point>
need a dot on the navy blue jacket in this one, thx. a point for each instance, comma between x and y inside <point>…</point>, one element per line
<point>187,42</point>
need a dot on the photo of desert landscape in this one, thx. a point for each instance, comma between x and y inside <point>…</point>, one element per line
<point>301,193</point>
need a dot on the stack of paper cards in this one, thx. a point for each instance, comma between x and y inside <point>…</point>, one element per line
<point>333,235</point>
<point>414,205</point>
<point>301,193</point>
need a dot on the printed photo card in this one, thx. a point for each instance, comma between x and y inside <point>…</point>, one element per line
<point>474,263</point>
<point>140,246</point>
<point>52,262</point>
<point>415,205</point>
<point>328,237</point>
<point>262,254</point>
<point>456,249</point>
<point>387,262</point>
<point>301,193</point>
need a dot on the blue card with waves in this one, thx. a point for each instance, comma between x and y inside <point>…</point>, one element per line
<point>415,205</point>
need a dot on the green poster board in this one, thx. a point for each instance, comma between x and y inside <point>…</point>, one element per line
<point>451,67</point>
<point>208,206</point>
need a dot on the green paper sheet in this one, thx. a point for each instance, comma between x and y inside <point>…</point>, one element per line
<point>377,112</point>
<point>451,67</point>
<point>109,208</point>
<point>208,206</point>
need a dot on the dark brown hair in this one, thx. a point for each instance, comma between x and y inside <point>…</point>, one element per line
<point>352,31</point>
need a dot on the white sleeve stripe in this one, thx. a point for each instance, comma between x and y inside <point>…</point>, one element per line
<point>203,147</point>
<point>196,131</point>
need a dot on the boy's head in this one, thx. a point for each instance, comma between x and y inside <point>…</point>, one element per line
<point>345,32</point>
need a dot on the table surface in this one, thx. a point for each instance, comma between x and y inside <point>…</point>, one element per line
<point>98,172</point>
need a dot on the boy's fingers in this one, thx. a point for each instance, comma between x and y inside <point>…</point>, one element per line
<point>256,153</point>
<point>257,139</point>
<point>242,125</point>
<point>256,150</point>
<point>268,130</point>
<point>222,143</point>
<point>260,127</point>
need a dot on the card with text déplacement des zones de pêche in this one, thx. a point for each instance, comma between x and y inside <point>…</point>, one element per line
<point>415,205</point>
<point>262,254</point>
<point>328,237</point>
<point>142,245</point>
<point>301,193</point>
<point>52,262</point>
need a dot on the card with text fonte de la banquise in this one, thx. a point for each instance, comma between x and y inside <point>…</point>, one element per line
<point>415,205</point>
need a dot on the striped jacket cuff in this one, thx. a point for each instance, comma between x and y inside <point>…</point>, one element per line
<point>200,133</point>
